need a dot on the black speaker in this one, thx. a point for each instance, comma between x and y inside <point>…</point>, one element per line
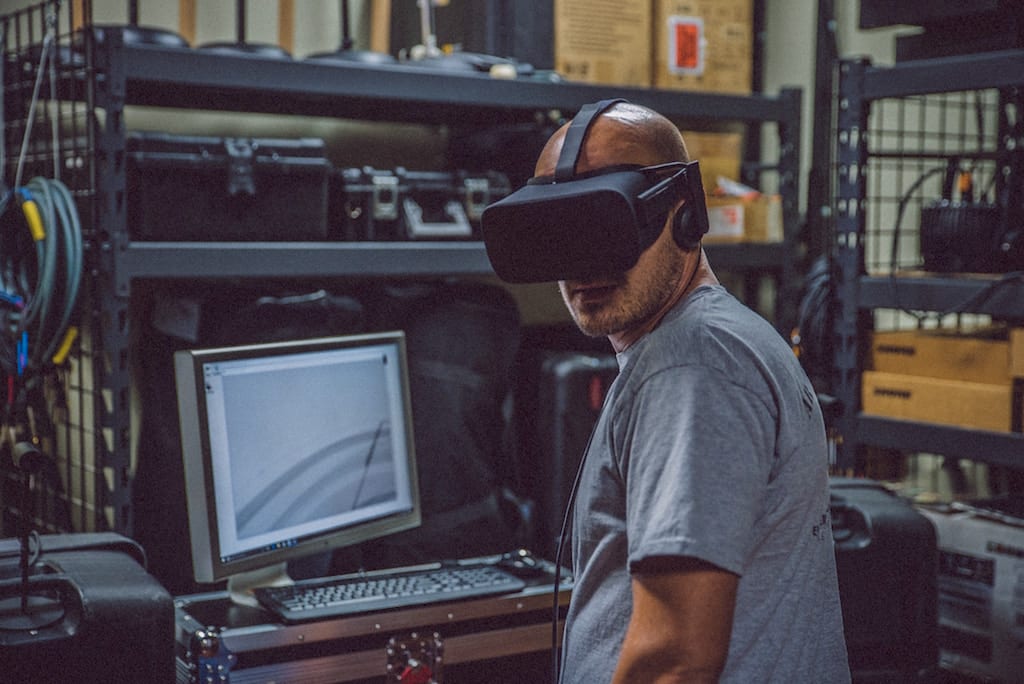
<point>89,613</point>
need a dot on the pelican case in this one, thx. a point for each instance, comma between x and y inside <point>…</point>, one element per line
<point>887,558</point>
<point>369,204</point>
<point>505,639</point>
<point>558,417</point>
<point>193,188</point>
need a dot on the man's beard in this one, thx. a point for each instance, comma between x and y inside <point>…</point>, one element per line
<point>634,301</point>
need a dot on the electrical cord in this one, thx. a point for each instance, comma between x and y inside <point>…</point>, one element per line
<point>38,296</point>
<point>56,230</point>
<point>811,339</point>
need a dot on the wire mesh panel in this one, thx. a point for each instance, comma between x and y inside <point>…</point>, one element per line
<point>923,150</point>
<point>49,356</point>
<point>936,191</point>
<point>929,219</point>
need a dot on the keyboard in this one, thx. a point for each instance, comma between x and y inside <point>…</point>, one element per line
<point>353,594</point>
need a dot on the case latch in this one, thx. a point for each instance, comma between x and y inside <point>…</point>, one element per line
<point>240,167</point>
<point>415,659</point>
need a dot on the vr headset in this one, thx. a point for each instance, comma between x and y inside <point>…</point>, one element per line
<point>572,227</point>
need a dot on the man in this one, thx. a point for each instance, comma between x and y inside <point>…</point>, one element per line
<point>701,538</point>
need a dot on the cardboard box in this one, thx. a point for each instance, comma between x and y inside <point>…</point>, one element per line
<point>704,45</point>
<point>982,355</point>
<point>1017,352</point>
<point>604,41</point>
<point>981,576</point>
<point>974,405</point>
<point>719,154</point>
<point>733,219</point>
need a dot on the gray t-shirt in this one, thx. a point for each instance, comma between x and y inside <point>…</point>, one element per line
<point>711,445</point>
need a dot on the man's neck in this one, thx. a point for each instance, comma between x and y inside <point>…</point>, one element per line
<point>700,275</point>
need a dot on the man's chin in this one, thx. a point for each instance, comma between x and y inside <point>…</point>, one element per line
<point>594,327</point>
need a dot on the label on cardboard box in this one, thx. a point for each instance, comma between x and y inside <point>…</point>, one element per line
<point>686,45</point>
<point>726,221</point>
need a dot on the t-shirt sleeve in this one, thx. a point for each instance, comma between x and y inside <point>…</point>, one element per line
<point>696,461</point>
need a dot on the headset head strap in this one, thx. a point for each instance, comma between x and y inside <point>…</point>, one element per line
<point>572,145</point>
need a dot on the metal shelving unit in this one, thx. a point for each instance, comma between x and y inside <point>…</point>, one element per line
<point>867,150</point>
<point>107,75</point>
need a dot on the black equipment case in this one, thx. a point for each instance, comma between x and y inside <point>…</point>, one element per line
<point>555,429</point>
<point>887,557</point>
<point>383,205</point>
<point>110,622</point>
<point>193,188</point>
<point>499,640</point>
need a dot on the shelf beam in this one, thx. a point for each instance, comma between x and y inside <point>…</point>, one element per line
<point>998,69</point>
<point>996,448</point>
<point>983,294</point>
<point>339,259</point>
<point>192,78</point>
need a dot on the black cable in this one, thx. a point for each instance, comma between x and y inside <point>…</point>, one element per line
<point>569,505</point>
<point>814,320</point>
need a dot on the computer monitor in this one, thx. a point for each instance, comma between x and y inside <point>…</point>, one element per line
<point>292,448</point>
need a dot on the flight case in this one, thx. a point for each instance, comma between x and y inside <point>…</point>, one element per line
<point>203,188</point>
<point>504,639</point>
<point>369,204</point>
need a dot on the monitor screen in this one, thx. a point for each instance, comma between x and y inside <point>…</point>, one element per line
<point>294,447</point>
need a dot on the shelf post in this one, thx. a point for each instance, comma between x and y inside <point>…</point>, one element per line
<point>847,255</point>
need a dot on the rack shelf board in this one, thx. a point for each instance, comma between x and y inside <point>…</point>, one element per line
<point>978,294</point>
<point>996,448</point>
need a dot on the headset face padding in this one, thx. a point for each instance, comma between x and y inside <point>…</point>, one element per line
<point>573,226</point>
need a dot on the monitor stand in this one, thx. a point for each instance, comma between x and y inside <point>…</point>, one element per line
<point>240,585</point>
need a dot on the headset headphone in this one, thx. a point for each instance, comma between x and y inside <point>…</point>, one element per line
<point>574,226</point>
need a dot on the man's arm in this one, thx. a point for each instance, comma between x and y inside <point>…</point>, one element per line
<point>680,626</point>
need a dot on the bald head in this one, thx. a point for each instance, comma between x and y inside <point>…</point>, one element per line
<point>624,134</point>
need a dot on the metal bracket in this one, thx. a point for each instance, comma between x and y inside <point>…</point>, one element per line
<point>385,198</point>
<point>210,659</point>
<point>478,196</point>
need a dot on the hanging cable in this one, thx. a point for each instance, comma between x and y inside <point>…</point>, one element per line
<point>38,296</point>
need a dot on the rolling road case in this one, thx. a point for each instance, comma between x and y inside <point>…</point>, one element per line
<point>505,639</point>
<point>887,557</point>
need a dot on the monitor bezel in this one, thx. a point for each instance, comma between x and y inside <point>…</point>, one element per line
<point>207,560</point>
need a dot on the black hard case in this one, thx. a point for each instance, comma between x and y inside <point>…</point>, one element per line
<point>369,204</point>
<point>887,558</point>
<point>196,188</point>
<point>499,640</point>
<point>555,429</point>
<point>118,621</point>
